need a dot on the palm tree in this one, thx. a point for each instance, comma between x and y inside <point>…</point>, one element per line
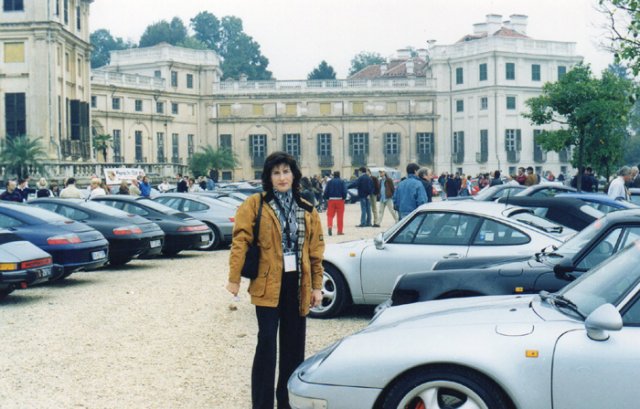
<point>21,153</point>
<point>211,158</point>
<point>101,143</point>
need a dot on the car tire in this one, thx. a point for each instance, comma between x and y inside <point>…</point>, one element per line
<point>4,292</point>
<point>445,386</point>
<point>215,241</point>
<point>335,294</point>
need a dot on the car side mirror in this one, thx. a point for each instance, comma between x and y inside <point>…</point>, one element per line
<point>563,267</point>
<point>604,318</point>
<point>379,241</point>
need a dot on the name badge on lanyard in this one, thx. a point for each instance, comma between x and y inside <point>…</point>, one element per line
<point>290,262</point>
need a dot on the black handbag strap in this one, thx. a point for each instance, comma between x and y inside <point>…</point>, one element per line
<point>256,226</point>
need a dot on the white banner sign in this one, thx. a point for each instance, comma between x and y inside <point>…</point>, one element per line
<point>114,176</point>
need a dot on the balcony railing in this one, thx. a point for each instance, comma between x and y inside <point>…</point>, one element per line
<point>425,158</point>
<point>257,161</point>
<point>359,159</point>
<point>304,86</point>
<point>513,156</point>
<point>325,161</point>
<point>391,159</point>
<point>457,157</point>
<point>482,157</point>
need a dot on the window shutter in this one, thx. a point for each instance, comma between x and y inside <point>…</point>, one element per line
<point>518,140</point>
<point>318,144</point>
<point>366,144</point>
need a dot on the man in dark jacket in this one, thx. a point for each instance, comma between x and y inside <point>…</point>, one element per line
<point>496,179</point>
<point>452,185</point>
<point>335,194</point>
<point>182,186</point>
<point>423,175</point>
<point>364,184</point>
<point>11,194</point>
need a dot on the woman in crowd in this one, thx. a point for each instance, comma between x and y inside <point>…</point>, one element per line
<point>289,277</point>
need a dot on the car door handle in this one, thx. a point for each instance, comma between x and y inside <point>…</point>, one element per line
<point>452,255</point>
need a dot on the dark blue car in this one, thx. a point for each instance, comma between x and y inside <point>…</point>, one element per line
<point>73,245</point>
<point>601,201</point>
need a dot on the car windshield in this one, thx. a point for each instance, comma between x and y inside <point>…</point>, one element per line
<point>609,282</point>
<point>157,206</point>
<point>573,246</point>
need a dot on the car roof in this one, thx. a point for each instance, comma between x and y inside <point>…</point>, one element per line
<point>600,198</point>
<point>473,207</point>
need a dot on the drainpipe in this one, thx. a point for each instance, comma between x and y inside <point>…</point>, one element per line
<point>495,106</point>
<point>52,140</point>
<point>450,115</point>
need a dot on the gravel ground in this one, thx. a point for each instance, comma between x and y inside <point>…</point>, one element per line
<point>152,334</point>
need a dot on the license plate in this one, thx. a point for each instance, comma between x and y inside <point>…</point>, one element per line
<point>97,255</point>
<point>44,272</point>
<point>155,243</point>
<point>204,237</point>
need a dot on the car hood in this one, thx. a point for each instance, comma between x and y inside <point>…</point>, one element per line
<point>495,310</point>
<point>21,250</point>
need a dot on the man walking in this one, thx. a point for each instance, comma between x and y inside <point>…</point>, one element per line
<point>335,193</point>
<point>374,197</point>
<point>410,193</point>
<point>364,184</point>
<point>386,195</point>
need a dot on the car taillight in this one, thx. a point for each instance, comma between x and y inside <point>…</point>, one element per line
<point>35,263</point>
<point>126,230</point>
<point>64,239</point>
<point>232,219</point>
<point>200,227</point>
<point>8,266</point>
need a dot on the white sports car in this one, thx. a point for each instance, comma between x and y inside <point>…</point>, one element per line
<point>577,348</point>
<point>364,271</point>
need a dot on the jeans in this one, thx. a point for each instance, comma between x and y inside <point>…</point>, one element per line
<point>365,212</point>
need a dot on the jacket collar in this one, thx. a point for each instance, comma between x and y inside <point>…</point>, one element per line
<point>268,197</point>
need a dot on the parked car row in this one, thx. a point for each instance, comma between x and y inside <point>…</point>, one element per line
<point>50,238</point>
<point>471,331</point>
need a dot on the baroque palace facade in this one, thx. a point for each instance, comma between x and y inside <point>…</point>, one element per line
<point>448,107</point>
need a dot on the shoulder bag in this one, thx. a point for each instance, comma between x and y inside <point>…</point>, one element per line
<point>252,258</point>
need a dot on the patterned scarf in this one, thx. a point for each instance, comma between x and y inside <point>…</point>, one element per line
<point>297,224</point>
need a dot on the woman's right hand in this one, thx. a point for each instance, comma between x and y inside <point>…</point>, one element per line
<point>233,288</point>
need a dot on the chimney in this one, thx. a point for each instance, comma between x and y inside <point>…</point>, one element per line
<point>404,54</point>
<point>519,23</point>
<point>409,66</point>
<point>494,23</point>
<point>480,28</point>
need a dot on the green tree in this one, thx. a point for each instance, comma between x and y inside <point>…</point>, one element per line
<point>363,60</point>
<point>174,33</point>
<point>207,29</point>
<point>103,43</point>
<point>322,72</point>
<point>593,113</point>
<point>211,158</point>
<point>240,53</point>
<point>101,143</point>
<point>624,31</point>
<point>21,153</point>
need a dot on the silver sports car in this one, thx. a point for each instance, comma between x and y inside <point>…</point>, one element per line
<point>577,348</point>
<point>364,271</point>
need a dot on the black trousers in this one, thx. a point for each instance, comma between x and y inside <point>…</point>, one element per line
<point>292,342</point>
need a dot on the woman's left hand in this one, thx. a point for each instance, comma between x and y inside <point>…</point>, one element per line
<point>316,298</point>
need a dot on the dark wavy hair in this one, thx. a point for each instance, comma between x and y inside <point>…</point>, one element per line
<point>279,158</point>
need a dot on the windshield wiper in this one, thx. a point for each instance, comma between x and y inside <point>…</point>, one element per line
<point>550,229</point>
<point>561,302</point>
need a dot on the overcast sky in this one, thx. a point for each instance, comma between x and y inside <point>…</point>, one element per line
<point>296,35</point>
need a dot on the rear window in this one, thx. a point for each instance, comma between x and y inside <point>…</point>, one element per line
<point>157,206</point>
<point>105,209</point>
<point>42,214</point>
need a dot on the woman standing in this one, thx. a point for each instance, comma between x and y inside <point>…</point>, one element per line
<point>289,274</point>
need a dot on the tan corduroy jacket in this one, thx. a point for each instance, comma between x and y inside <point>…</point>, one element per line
<point>265,289</point>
